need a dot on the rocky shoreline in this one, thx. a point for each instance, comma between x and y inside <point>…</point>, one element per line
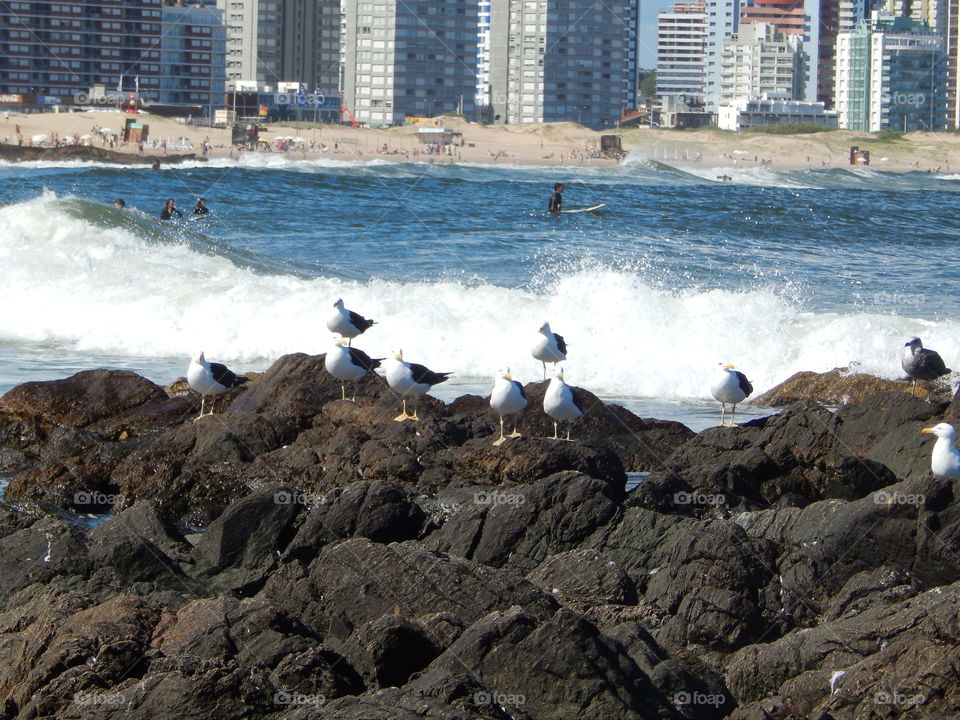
<point>89,153</point>
<point>802,565</point>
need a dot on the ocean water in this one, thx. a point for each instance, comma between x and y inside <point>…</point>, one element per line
<point>774,271</point>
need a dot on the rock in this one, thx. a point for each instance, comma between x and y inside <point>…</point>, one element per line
<point>584,576</point>
<point>382,512</point>
<point>295,387</point>
<point>35,554</point>
<point>518,527</point>
<point>83,398</point>
<point>640,444</point>
<point>537,667</point>
<point>389,650</point>
<point>241,547</point>
<point>836,387</point>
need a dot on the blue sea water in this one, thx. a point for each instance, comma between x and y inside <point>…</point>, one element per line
<point>774,271</point>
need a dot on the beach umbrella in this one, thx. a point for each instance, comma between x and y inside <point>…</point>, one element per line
<point>87,136</point>
<point>299,139</point>
<point>39,138</point>
<point>106,131</point>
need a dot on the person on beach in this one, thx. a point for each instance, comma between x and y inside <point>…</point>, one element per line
<point>119,204</point>
<point>556,200</point>
<point>201,208</point>
<point>156,165</point>
<point>169,210</point>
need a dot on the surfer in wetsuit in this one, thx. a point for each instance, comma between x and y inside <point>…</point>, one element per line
<point>201,208</point>
<point>556,200</point>
<point>169,210</point>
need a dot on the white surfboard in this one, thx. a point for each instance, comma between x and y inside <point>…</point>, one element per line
<point>585,209</point>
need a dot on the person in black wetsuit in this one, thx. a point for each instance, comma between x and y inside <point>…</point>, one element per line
<point>119,204</point>
<point>556,200</point>
<point>169,210</point>
<point>201,208</point>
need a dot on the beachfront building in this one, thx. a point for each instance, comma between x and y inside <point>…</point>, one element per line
<point>409,58</point>
<point>891,75</point>
<point>193,53</point>
<point>632,98</point>
<point>483,56</point>
<point>681,51</point>
<point>282,41</point>
<point>743,113</point>
<point>59,52</point>
<point>723,21</point>
<point>760,62</point>
<point>836,16</point>
<point>796,21</point>
<point>554,60</point>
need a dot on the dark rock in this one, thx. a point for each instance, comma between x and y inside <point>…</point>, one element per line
<point>241,547</point>
<point>43,550</point>
<point>584,576</point>
<point>382,512</point>
<point>296,387</point>
<point>389,650</point>
<point>83,398</point>
<point>836,387</point>
<point>520,526</point>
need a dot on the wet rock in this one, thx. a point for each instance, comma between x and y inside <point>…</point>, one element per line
<point>83,398</point>
<point>836,387</point>
<point>295,386</point>
<point>389,650</point>
<point>240,548</point>
<point>584,576</point>
<point>37,553</point>
<point>519,526</point>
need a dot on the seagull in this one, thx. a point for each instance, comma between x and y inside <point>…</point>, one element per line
<point>411,379</point>
<point>549,348</point>
<point>945,459</point>
<point>348,364</point>
<point>920,363</point>
<point>507,397</point>
<point>560,403</point>
<point>209,378</point>
<point>730,386</point>
<point>346,323</point>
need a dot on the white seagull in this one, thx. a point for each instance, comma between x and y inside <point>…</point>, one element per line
<point>730,386</point>
<point>919,363</point>
<point>945,459</point>
<point>560,404</point>
<point>348,364</point>
<point>209,378</point>
<point>346,323</point>
<point>411,379</point>
<point>507,398</point>
<point>549,348</point>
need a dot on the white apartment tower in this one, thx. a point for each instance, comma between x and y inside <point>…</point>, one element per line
<point>759,63</point>
<point>681,51</point>
<point>723,20</point>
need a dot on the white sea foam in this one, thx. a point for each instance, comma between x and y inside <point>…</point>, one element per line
<point>71,283</point>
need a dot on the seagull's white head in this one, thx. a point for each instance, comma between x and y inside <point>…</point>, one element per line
<point>199,358</point>
<point>559,374</point>
<point>505,373</point>
<point>339,304</point>
<point>399,355</point>
<point>545,328</point>
<point>340,341</point>
<point>914,343</point>
<point>943,430</point>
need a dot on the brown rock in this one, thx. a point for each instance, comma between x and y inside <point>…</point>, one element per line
<point>836,387</point>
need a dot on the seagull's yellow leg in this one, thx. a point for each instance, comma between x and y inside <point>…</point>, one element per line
<point>502,438</point>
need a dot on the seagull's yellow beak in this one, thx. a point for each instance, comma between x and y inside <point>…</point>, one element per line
<point>729,366</point>
<point>927,431</point>
<point>341,341</point>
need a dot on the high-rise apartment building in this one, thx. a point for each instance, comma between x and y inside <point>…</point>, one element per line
<point>799,19</point>
<point>836,16</point>
<point>553,60</point>
<point>283,41</point>
<point>483,53</point>
<point>891,75</point>
<point>409,58</point>
<point>723,20</point>
<point>59,50</point>
<point>760,63</point>
<point>681,50</point>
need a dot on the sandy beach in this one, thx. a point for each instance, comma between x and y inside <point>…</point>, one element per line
<point>560,144</point>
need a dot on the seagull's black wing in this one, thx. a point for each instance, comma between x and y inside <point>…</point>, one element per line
<point>426,376</point>
<point>225,376</point>
<point>576,401</point>
<point>359,321</point>
<point>744,383</point>
<point>520,388</point>
<point>561,343</point>
<point>361,359</point>
<point>929,365</point>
